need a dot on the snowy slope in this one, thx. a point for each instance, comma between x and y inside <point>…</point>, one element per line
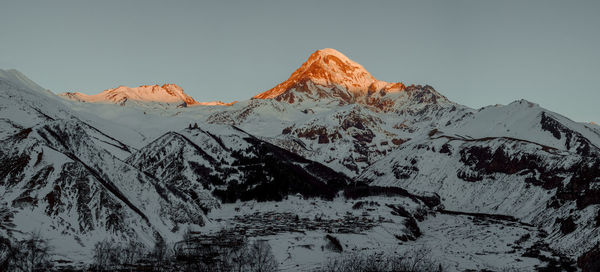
<point>55,173</point>
<point>320,129</point>
<point>62,181</point>
<point>534,182</point>
<point>230,164</point>
<point>528,121</point>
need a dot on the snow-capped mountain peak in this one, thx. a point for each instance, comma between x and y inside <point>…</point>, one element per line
<point>167,93</point>
<point>331,69</point>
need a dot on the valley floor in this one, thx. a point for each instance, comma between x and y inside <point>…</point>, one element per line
<point>296,229</point>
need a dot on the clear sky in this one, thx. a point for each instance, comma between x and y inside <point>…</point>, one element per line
<point>476,53</point>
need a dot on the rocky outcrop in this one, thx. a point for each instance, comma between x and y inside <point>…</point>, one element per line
<point>572,140</point>
<point>590,260</point>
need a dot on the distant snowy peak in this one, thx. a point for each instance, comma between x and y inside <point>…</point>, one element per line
<point>329,68</point>
<point>328,77</point>
<point>167,93</point>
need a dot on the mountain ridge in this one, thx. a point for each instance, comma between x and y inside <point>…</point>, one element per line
<point>203,168</point>
<point>167,93</point>
<point>326,74</point>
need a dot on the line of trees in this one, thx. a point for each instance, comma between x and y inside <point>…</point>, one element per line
<point>412,261</point>
<point>109,255</point>
<point>256,256</point>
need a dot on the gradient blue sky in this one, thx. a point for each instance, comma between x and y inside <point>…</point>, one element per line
<point>476,53</point>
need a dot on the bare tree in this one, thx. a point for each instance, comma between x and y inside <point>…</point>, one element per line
<point>261,258</point>
<point>104,255</point>
<point>223,251</point>
<point>161,255</point>
<point>6,252</point>
<point>6,219</point>
<point>420,260</point>
<point>31,254</point>
<point>160,252</point>
<point>238,258</point>
<point>109,255</point>
<point>132,252</point>
<point>188,234</point>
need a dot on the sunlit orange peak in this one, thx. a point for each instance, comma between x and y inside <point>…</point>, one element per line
<point>329,67</point>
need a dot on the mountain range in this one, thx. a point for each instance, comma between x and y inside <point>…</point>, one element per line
<point>503,186</point>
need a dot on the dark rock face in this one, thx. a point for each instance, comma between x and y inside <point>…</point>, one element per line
<point>489,161</point>
<point>469,176</point>
<point>567,225</point>
<point>551,126</point>
<point>366,136</point>
<point>323,139</point>
<point>590,261</point>
<point>484,161</point>
<point>319,133</point>
<point>333,243</point>
<point>266,172</point>
<point>356,124</point>
<point>361,191</point>
<point>579,189</point>
<point>11,168</point>
<point>573,139</point>
<point>404,172</point>
<point>431,200</point>
<point>410,223</point>
<point>313,133</point>
<point>555,262</point>
<point>413,227</point>
<point>397,141</point>
<point>585,174</point>
<point>399,211</point>
<point>354,121</point>
<point>423,94</point>
<point>446,149</point>
<point>272,173</point>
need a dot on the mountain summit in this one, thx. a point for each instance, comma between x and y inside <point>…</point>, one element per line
<point>329,73</point>
<point>167,93</point>
<point>374,162</point>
